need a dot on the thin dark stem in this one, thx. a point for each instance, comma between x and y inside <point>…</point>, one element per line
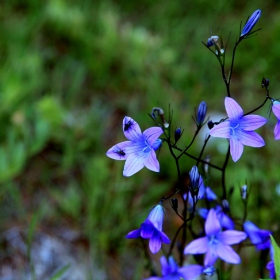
<point>267,98</point>
<point>183,151</point>
<point>202,150</point>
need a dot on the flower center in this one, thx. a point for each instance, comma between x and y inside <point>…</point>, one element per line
<point>147,148</point>
<point>212,240</point>
<point>233,126</point>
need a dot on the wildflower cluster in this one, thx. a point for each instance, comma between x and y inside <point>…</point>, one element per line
<point>199,204</point>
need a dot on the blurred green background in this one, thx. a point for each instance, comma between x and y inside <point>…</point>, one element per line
<point>69,72</point>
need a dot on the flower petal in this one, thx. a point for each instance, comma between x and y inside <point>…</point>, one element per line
<point>276,109</point>
<point>133,164</point>
<point>198,246</point>
<point>152,134</point>
<point>155,242</point>
<point>165,269</point>
<point>212,223</point>
<point>191,271</point>
<point>251,122</point>
<point>277,131</point>
<point>230,237</point>
<point>221,130</point>
<point>210,257</point>
<point>134,234</point>
<point>131,129</point>
<point>234,111</point>
<point>151,161</point>
<point>120,151</point>
<point>236,149</point>
<point>249,138</point>
<point>227,254</point>
<point>164,238</point>
<point>147,229</point>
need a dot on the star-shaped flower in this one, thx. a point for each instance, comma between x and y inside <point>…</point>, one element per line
<point>171,271</point>
<point>239,129</point>
<point>276,111</point>
<point>216,243</point>
<point>152,229</point>
<point>139,151</point>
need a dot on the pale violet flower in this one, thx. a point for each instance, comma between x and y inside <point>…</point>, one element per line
<point>171,271</point>
<point>276,111</point>
<point>139,151</point>
<point>152,229</point>
<point>216,243</point>
<point>239,129</point>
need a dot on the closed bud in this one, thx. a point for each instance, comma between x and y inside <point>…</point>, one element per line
<point>265,82</point>
<point>251,23</point>
<point>243,192</point>
<point>178,133</point>
<point>157,144</point>
<point>194,178</point>
<point>211,41</point>
<point>209,271</point>
<point>210,124</point>
<point>225,205</point>
<point>201,113</point>
<point>174,204</point>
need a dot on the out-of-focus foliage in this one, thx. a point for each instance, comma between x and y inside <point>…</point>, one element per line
<point>71,70</point>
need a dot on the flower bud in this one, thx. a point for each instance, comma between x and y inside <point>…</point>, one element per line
<point>201,113</point>
<point>243,192</point>
<point>157,144</point>
<point>251,23</point>
<point>178,133</point>
<point>209,271</point>
<point>194,178</point>
<point>174,204</point>
<point>211,41</point>
<point>265,82</point>
<point>225,205</point>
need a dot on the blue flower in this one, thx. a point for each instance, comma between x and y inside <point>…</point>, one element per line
<point>239,129</point>
<point>139,151</point>
<point>251,23</point>
<point>171,271</point>
<point>152,229</point>
<point>259,237</point>
<point>216,243</point>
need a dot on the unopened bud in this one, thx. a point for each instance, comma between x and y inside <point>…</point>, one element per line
<point>194,178</point>
<point>178,133</point>
<point>201,113</point>
<point>243,192</point>
<point>251,23</point>
<point>265,82</point>
<point>225,205</point>
<point>210,124</point>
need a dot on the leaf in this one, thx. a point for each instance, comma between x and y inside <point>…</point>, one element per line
<point>60,272</point>
<point>276,256</point>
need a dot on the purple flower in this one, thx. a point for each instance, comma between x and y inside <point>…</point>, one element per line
<point>271,267</point>
<point>152,229</point>
<point>276,111</point>
<point>259,237</point>
<point>225,220</point>
<point>139,151</point>
<point>216,243</point>
<point>239,129</point>
<point>171,271</point>
<point>251,23</point>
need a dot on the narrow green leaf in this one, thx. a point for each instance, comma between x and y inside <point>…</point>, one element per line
<point>276,256</point>
<point>60,272</point>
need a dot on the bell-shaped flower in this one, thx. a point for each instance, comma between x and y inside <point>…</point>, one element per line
<point>171,271</point>
<point>251,23</point>
<point>201,113</point>
<point>152,229</point>
<point>259,237</point>
<point>139,151</point>
<point>216,243</point>
<point>239,129</point>
<point>276,111</point>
